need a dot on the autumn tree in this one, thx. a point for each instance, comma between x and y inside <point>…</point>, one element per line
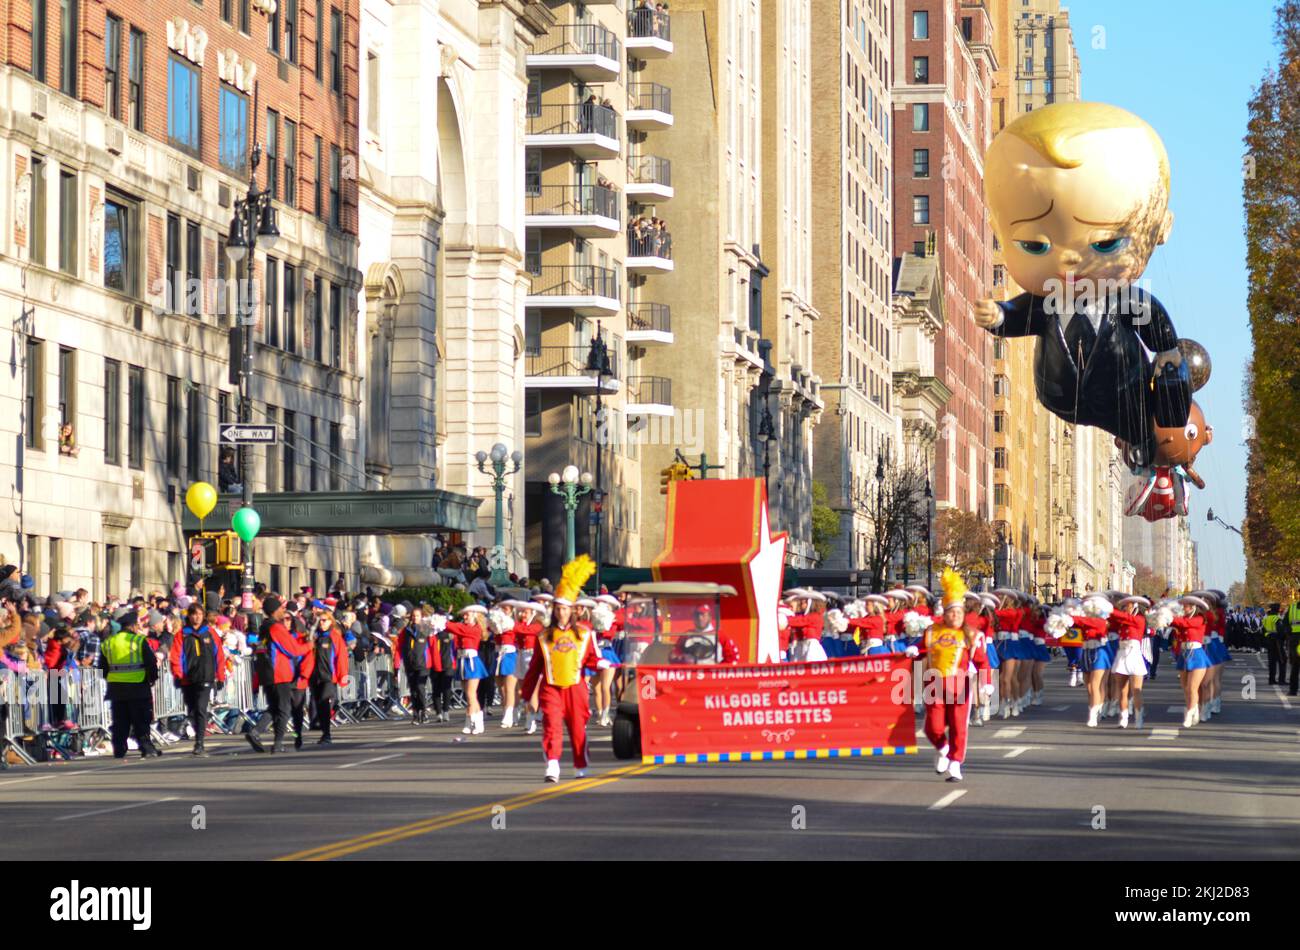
<point>1148,583</point>
<point>964,541</point>
<point>895,507</point>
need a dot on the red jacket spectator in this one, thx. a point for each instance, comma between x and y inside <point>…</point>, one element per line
<point>287,652</point>
<point>58,654</point>
<point>338,650</point>
<point>432,652</point>
<point>181,659</point>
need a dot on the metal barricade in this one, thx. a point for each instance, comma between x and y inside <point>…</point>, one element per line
<point>390,688</point>
<point>93,713</point>
<point>347,703</point>
<point>232,703</point>
<point>368,698</point>
<point>168,703</point>
<point>14,687</point>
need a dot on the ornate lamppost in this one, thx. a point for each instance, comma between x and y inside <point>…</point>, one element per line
<point>499,473</point>
<point>570,486</point>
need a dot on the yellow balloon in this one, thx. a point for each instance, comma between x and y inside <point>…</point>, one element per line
<point>201,498</point>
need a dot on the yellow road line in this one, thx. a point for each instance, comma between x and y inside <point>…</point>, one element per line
<point>375,839</point>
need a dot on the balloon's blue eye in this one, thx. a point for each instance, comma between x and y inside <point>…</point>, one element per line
<point>1109,246</point>
<point>1037,248</point>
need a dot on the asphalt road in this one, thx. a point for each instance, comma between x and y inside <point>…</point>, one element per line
<point>1036,787</point>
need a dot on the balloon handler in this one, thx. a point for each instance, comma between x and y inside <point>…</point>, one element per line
<point>563,652</point>
<point>1078,196</point>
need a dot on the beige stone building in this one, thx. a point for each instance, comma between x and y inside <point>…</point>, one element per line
<point>855,340</point>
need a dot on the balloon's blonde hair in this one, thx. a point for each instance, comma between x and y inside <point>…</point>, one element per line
<point>1050,130</point>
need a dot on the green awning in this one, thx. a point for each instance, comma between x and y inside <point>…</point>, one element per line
<point>334,513</point>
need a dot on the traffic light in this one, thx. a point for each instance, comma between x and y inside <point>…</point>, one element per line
<point>666,476</point>
<point>677,472</point>
<point>228,550</point>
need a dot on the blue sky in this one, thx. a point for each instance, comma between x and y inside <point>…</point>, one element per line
<point>1189,68</point>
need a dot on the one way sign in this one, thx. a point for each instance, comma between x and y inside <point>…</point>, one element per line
<point>250,435</point>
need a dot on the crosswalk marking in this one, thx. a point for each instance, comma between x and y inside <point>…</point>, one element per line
<point>948,799</point>
<point>1016,752</point>
<point>1009,732</point>
<point>1163,733</point>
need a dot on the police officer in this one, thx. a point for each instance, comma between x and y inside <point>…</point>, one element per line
<point>1293,645</point>
<point>1276,641</point>
<point>131,670</point>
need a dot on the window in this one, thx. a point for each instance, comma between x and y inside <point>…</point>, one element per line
<point>318,321</point>
<point>290,308</point>
<point>291,31</point>
<point>270,453</point>
<point>67,221</point>
<point>173,430</point>
<point>67,387</point>
<point>320,38</point>
<point>532,173</point>
<point>173,291</point>
<point>135,81</point>
<point>920,25</point>
<point>290,457</point>
<point>336,326</point>
<point>233,147</point>
<point>336,450</point>
<point>920,117</point>
<point>56,563</point>
<point>1029,64</point>
<point>313,459</point>
<point>335,171</point>
<point>275,577</point>
<point>920,209</point>
<point>183,105</point>
<point>533,250</point>
<point>113,66</point>
<point>1000,495</point>
<point>372,92</point>
<point>228,11</point>
<point>999,422</point>
<point>532,412</point>
<point>111,566</point>
<point>243,16</point>
<point>194,434</point>
<point>193,289</point>
<point>920,163</point>
<point>273,31</point>
<point>34,396</point>
<point>135,424</point>
<point>290,163</point>
<point>121,253</point>
<point>999,275</point>
<point>68,33</point>
<point>316,202</point>
<point>272,147</point>
<point>40,29</point>
<point>272,301</point>
<point>175,568</point>
<point>37,211</point>
<point>920,69</point>
<point>112,412</point>
<point>137,568</point>
<point>336,51</point>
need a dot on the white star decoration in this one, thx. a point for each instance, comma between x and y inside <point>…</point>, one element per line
<point>765,570</point>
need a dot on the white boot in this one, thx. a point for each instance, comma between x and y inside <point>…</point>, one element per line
<point>1094,713</point>
<point>580,773</point>
<point>1139,717</point>
<point>1006,709</point>
<point>1123,718</point>
<point>1018,705</point>
<point>941,760</point>
<point>1205,714</point>
<point>478,724</point>
<point>532,722</point>
<point>552,770</point>
<point>469,724</point>
<point>1189,718</point>
<point>1216,705</point>
<point>954,772</point>
<point>508,717</point>
<point>1038,698</point>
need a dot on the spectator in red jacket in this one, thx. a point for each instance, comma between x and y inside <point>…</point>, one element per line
<point>280,656</point>
<point>326,669</point>
<point>198,662</point>
<point>61,654</point>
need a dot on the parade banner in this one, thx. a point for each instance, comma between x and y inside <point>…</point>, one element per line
<point>833,709</point>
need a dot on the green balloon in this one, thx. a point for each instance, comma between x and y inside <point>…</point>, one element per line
<point>246,523</point>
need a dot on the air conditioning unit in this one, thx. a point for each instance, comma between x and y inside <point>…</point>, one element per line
<point>114,140</point>
<point>192,179</point>
<point>137,488</point>
<point>40,103</point>
<point>283,69</point>
<point>223,195</point>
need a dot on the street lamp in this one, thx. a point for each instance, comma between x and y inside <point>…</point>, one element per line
<point>570,486</point>
<point>598,363</point>
<point>1211,516</point>
<point>929,520</point>
<point>766,435</point>
<point>880,520</point>
<point>499,475</point>
<point>252,227</point>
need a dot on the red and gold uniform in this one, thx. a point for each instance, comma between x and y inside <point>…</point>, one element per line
<point>946,690</point>
<point>561,657</point>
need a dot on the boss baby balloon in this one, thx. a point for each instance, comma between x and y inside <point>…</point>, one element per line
<point>1078,195</point>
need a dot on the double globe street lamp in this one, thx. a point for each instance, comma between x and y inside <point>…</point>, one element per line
<point>499,474</point>
<point>571,486</point>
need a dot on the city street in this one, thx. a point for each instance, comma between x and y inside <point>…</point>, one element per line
<point>1035,787</point>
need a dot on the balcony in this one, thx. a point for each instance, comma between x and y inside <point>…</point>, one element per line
<point>587,290</point>
<point>649,396</point>
<point>649,324</point>
<point>649,106</point>
<point>588,129</point>
<point>649,250</point>
<point>648,34</point>
<point>590,211</point>
<point>649,178</point>
<point>588,50</point>
<point>565,367</point>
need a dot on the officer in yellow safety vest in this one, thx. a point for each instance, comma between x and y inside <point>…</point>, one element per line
<point>131,669</point>
<point>1293,644</point>
<point>1275,643</point>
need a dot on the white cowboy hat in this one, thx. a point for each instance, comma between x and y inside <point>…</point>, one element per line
<point>1192,600</point>
<point>584,602</point>
<point>816,595</point>
<point>876,599</point>
<point>544,598</point>
<point>471,609</point>
<point>898,594</point>
<point>609,599</point>
<point>1133,599</point>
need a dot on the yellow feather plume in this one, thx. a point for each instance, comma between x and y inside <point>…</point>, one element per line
<point>574,575</point>
<point>954,588</point>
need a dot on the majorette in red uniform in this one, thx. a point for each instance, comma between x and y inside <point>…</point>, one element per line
<point>1193,659</point>
<point>564,651</point>
<point>951,648</point>
<point>1130,665</point>
<point>526,632</point>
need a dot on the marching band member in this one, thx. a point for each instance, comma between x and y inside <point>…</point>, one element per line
<point>606,626</point>
<point>1111,646</point>
<point>1130,666</point>
<point>875,637</point>
<point>1192,659</point>
<point>563,652</point>
<point>979,617</point>
<point>469,634</point>
<point>899,601</point>
<point>502,622</point>
<point>950,646</point>
<point>1217,628</point>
